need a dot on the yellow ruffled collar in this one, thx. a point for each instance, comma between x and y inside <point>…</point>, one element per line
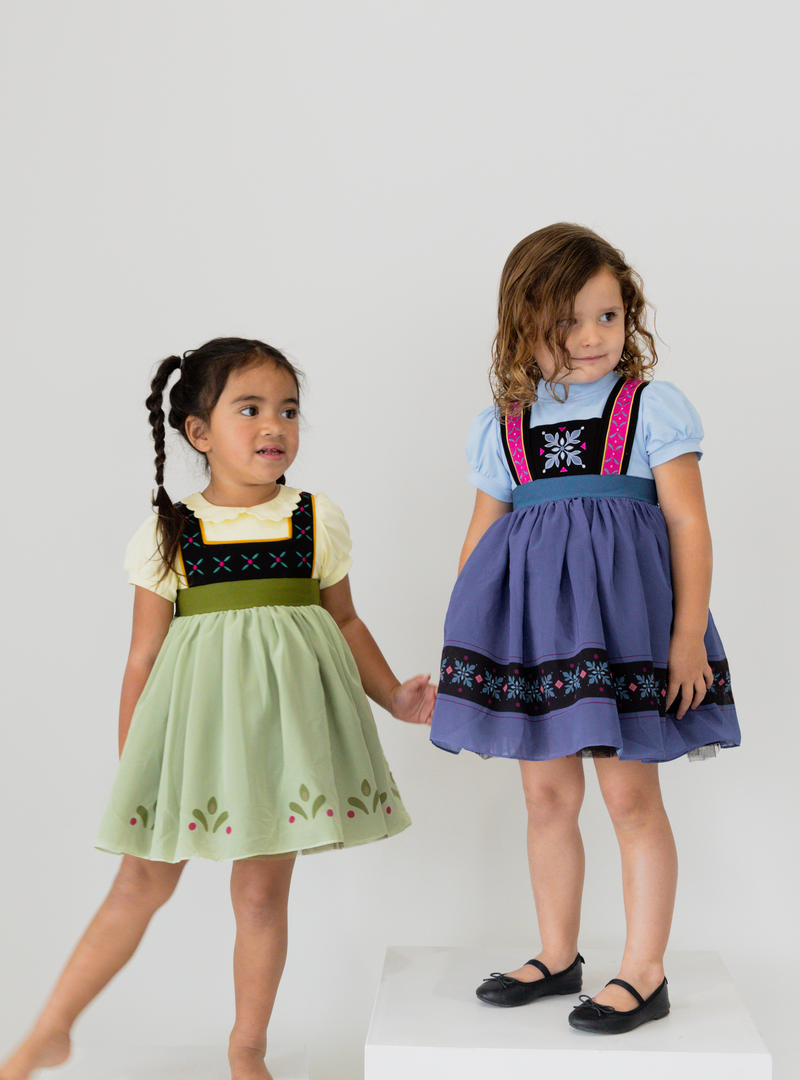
<point>281,506</point>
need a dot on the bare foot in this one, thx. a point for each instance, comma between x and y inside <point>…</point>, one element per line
<point>246,1064</point>
<point>41,1050</point>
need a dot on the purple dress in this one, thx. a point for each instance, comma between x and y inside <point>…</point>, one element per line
<point>558,629</point>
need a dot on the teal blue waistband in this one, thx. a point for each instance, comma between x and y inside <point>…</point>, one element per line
<point>590,487</point>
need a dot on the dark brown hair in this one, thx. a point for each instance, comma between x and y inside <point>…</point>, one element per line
<point>540,280</point>
<point>204,373</point>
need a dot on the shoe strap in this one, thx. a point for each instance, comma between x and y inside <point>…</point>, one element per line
<point>538,964</point>
<point>627,986</point>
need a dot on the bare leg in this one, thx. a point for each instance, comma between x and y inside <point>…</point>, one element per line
<point>260,895</point>
<point>632,796</point>
<point>139,889</point>
<point>553,795</point>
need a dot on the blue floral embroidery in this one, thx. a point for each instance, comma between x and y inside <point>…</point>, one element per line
<point>572,681</point>
<point>516,686</point>
<point>492,685</point>
<point>539,689</point>
<point>648,687</point>
<point>546,688</point>
<point>463,672</point>
<point>598,673</point>
<point>621,688</point>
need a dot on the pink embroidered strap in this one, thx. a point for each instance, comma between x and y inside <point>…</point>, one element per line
<point>618,426</point>
<point>515,446</point>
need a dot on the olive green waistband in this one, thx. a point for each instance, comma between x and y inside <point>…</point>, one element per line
<point>236,595</point>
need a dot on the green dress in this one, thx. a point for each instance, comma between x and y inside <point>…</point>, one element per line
<point>252,736</point>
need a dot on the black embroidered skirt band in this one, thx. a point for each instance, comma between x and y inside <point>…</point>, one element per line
<point>237,595</point>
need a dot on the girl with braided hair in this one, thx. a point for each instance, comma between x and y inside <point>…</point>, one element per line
<point>245,734</point>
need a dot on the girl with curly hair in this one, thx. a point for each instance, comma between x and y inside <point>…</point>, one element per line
<point>579,625</point>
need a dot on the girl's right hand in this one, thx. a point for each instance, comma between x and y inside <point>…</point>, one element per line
<point>689,677</point>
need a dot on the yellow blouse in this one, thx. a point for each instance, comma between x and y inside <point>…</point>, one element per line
<point>267,521</point>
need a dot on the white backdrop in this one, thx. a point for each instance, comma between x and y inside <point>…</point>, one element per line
<point>345,181</point>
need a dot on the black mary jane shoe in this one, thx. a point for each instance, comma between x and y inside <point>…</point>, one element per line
<point>606,1020</point>
<point>502,990</point>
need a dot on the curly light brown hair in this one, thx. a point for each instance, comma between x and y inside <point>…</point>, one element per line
<point>540,280</point>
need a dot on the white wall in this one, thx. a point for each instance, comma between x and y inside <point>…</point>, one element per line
<point>345,181</point>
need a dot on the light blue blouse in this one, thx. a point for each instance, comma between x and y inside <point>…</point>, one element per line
<point>668,426</point>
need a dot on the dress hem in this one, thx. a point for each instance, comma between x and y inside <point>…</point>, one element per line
<point>337,845</point>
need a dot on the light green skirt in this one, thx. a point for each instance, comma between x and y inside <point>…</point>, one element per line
<point>251,737</point>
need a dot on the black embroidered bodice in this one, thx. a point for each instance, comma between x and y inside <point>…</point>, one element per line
<point>206,562</point>
<point>597,445</point>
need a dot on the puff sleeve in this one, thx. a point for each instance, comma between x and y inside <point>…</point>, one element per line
<point>486,458</point>
<point>143,562</point>
<point>333,542</point>
<point>670,424</point>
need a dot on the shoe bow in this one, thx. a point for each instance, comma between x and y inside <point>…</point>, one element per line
<point>600,1010</point>
<point>504,980</point>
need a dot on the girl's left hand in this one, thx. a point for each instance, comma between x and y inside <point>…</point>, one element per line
<point>413,700</point>
<point>689,676</point>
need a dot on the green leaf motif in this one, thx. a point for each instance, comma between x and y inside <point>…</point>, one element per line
<point>375,801</point>
<point>384,797</point>
<point>304,793</point>
<point>365,788</point>
<point>298,809</point>
<point>201,817</point>
<point>212,806</point>
<point>222,817</point>
<point>358,805</point>
<point>318,802</point>
<point>140,810</point>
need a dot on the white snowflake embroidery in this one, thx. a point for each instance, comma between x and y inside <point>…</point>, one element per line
<point>562,449</point>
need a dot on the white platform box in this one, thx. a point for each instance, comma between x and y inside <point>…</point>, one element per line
<point>428,1025</point>
<point>171,1063</point>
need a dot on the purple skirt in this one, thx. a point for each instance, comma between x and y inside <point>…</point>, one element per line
<point>557,638</point>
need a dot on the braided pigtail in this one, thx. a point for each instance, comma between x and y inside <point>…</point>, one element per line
<point>170,522</point>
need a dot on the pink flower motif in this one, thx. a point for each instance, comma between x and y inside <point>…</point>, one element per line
<point>228,830</point>
<point>330,813</point>
<point>388,809</point>
<point>291,820</point>
<point>351,813</point>
<point>133,821</point>
<point>192,826</point>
